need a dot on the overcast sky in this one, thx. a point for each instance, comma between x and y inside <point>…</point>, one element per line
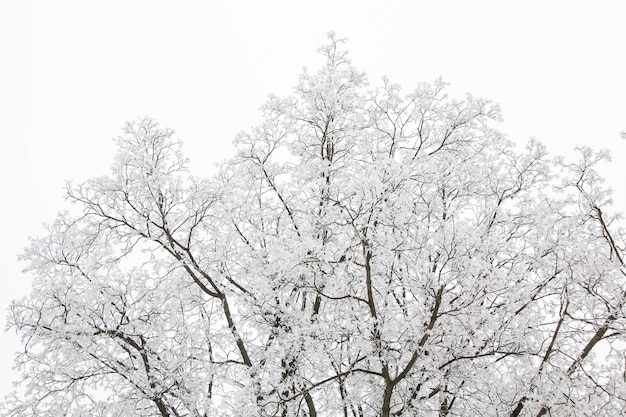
<point>72,72</point>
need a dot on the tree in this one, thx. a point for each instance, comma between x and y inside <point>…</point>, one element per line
<point>365,253</point>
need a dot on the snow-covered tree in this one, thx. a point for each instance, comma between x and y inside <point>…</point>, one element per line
<point>367,252</point>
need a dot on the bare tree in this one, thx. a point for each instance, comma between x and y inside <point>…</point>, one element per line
<point>365,253</point>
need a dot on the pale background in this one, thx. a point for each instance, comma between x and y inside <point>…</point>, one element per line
<point>72,72</point>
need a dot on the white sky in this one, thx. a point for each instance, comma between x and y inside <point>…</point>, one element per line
<point>72,72</point>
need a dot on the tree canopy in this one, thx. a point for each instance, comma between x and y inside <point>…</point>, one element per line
<point>366,252</point>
